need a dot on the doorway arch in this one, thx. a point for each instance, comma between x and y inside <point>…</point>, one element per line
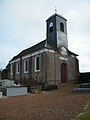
<point>63,73</point>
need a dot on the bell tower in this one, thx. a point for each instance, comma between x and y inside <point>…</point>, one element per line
<point>57,30</point>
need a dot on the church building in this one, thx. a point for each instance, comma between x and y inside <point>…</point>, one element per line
<point>49,61</point>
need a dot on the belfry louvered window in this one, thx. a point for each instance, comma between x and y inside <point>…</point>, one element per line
<point>62,27</point>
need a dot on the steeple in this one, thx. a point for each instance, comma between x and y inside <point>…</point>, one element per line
<point>57,30</point>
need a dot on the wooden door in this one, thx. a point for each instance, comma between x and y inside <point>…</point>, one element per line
<point>63,73</point>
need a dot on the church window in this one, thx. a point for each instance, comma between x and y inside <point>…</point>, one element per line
<point>11,69</point>
<point>37,64</point>
<point>17,67</point>
<point>62,27</point>
<point>26,66</point>
<point>51,27</point>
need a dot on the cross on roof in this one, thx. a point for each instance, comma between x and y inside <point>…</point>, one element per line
<point>55,10</point>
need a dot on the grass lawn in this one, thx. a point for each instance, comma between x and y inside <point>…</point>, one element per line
<point>86,113</point>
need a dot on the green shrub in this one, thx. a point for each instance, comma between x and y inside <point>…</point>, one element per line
<point>50,87</point>
<point>86,113</point>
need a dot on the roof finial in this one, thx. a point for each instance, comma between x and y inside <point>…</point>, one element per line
<point>55,9</point>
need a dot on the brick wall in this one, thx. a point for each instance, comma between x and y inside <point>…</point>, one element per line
<point>50,69</point>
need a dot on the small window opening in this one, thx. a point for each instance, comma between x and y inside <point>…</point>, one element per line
<point>62,27</point>
<point>37,63</point>
<point>11,68</point>
<point>18,68</point>
<point>25,66</point>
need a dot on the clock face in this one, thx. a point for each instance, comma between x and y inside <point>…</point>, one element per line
<point>51,24</point>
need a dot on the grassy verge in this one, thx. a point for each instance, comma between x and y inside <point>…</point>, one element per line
<point>86,113</point>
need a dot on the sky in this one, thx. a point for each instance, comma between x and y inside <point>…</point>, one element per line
<point>23,24</point>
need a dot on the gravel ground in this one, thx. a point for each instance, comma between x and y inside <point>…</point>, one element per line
<point>60,104</point>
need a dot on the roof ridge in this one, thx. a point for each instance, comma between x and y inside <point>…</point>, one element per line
<point>27,49</point>
<point>36,47</point>
<point>55,14</point>
<point>32,46</point>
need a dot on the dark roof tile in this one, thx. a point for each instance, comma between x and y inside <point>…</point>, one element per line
<point>40,45</point>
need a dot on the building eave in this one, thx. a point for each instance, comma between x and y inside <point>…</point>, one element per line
<point>56,15</point>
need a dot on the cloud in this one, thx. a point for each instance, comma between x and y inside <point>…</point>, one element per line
<point>79,30</point>
<point>22,24</point>
<point>6,53</point>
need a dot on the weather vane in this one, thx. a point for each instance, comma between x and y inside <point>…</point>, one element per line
<point>55,10</point>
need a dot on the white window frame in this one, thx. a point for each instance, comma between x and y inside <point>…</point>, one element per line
<point>17,67</point>
<point>11,69</point>
<point>36,63</point>
<point>25,71</point>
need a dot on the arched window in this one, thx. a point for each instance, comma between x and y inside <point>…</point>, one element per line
<point>62,27</point>
<point>37,64</point>
<point>11,69</point>
<point>25,66</point>
<point>17,67</point>
<point>51,27</point>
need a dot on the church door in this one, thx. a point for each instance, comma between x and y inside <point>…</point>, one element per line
<point>63,73</point>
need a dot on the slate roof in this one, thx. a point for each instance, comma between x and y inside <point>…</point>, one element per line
<point>56,15</point>
<point>71,53</point>
<point>39,46</point>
